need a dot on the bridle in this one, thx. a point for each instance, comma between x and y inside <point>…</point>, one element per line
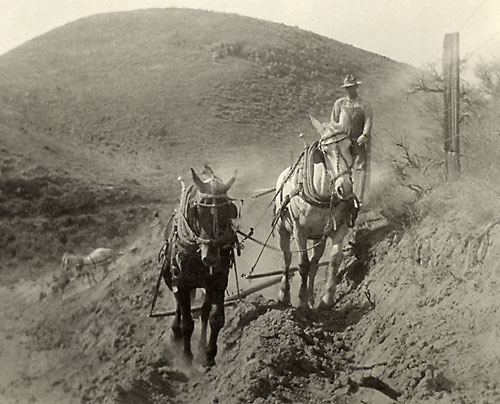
<point>217,202</point>
<point>218,239</point>
<point>335,138</point>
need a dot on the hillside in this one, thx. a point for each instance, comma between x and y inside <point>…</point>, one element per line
<point>133,91</point>
<point>97,120</point>
<point>117,106</point>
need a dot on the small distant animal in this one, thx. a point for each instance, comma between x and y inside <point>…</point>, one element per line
<point>100,256</point>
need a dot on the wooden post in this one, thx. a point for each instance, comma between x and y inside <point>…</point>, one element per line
<point>451,76</point>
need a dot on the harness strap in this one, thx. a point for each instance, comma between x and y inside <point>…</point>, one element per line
<point>284,206</point>
<point>93,261</point>
<point>305,181</point>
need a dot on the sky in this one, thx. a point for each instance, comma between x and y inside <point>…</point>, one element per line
<point>409,31</point>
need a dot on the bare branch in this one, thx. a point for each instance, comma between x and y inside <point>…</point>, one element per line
<point>481,243</point>
<point>411,160</point>
<point>420,85</point>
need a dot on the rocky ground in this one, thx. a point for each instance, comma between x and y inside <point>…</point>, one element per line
<point>89,152</point>
<point>416,321</point>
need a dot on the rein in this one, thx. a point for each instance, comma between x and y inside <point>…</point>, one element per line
<point>331,139</point>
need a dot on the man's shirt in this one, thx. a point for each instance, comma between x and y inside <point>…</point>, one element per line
<point>355,103</point>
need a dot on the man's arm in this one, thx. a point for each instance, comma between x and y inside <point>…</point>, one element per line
<point>367,128</point>
<point>336,111</point>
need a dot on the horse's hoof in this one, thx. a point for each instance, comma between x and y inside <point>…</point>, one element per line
<point>304,304</point>
<point>284,298</point>
<point>324,306</point>
<point>175,338</point>
<point>285,302</point>
<point>209,363</point>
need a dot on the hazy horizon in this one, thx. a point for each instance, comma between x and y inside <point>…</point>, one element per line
<point>403,30</point>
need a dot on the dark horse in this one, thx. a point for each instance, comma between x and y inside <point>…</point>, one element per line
<point>199,255</point>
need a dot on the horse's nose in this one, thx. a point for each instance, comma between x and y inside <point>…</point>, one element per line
<point>209,260</point>
<point>207,257</point>
<point>340,191</point>
<point>343,189</point>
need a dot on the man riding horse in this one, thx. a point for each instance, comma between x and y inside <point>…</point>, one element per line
<point>359,130</point>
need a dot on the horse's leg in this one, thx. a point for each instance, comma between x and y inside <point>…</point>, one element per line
<point>176,324</point>
<point>336,255</point>
<point>216,323</point>
<point>284,240</point>
<point>187,323</point>
<point>304,266</point>
<point>89,277</point>
<point>205,315</point>
<point>319,249</point>
<point>80,275</point>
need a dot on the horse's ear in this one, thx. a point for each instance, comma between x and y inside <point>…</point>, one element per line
<point>197,181</point>
<point>317,124</point>
<point>207,171</point>
<point>230,183</point>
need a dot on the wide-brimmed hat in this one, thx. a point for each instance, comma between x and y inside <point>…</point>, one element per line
<point>350,81</point>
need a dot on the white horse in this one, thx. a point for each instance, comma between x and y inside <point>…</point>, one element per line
<point>100,256</point>
<point>314,202</point>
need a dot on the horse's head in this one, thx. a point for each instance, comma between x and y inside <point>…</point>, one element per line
<point>335,145</point>
<point>211,215</point>
<point>70,261</point>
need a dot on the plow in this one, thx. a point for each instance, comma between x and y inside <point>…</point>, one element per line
<point>233,299</point>
<point>305,188</point>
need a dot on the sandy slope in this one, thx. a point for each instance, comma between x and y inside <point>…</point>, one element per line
<point>432,335</point>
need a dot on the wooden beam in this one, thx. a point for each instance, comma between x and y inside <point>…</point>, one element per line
<point>451,76</point>
<point>230,300</point>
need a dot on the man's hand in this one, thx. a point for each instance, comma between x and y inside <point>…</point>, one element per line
<point>363,139</point>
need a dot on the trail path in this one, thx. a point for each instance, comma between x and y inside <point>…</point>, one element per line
<point>24,371</point>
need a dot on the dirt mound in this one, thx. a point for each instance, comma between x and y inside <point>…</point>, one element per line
<point>276,354</point>
<point>415,321</point>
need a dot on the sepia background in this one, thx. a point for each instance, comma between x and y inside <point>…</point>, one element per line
<point>104,104</point>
